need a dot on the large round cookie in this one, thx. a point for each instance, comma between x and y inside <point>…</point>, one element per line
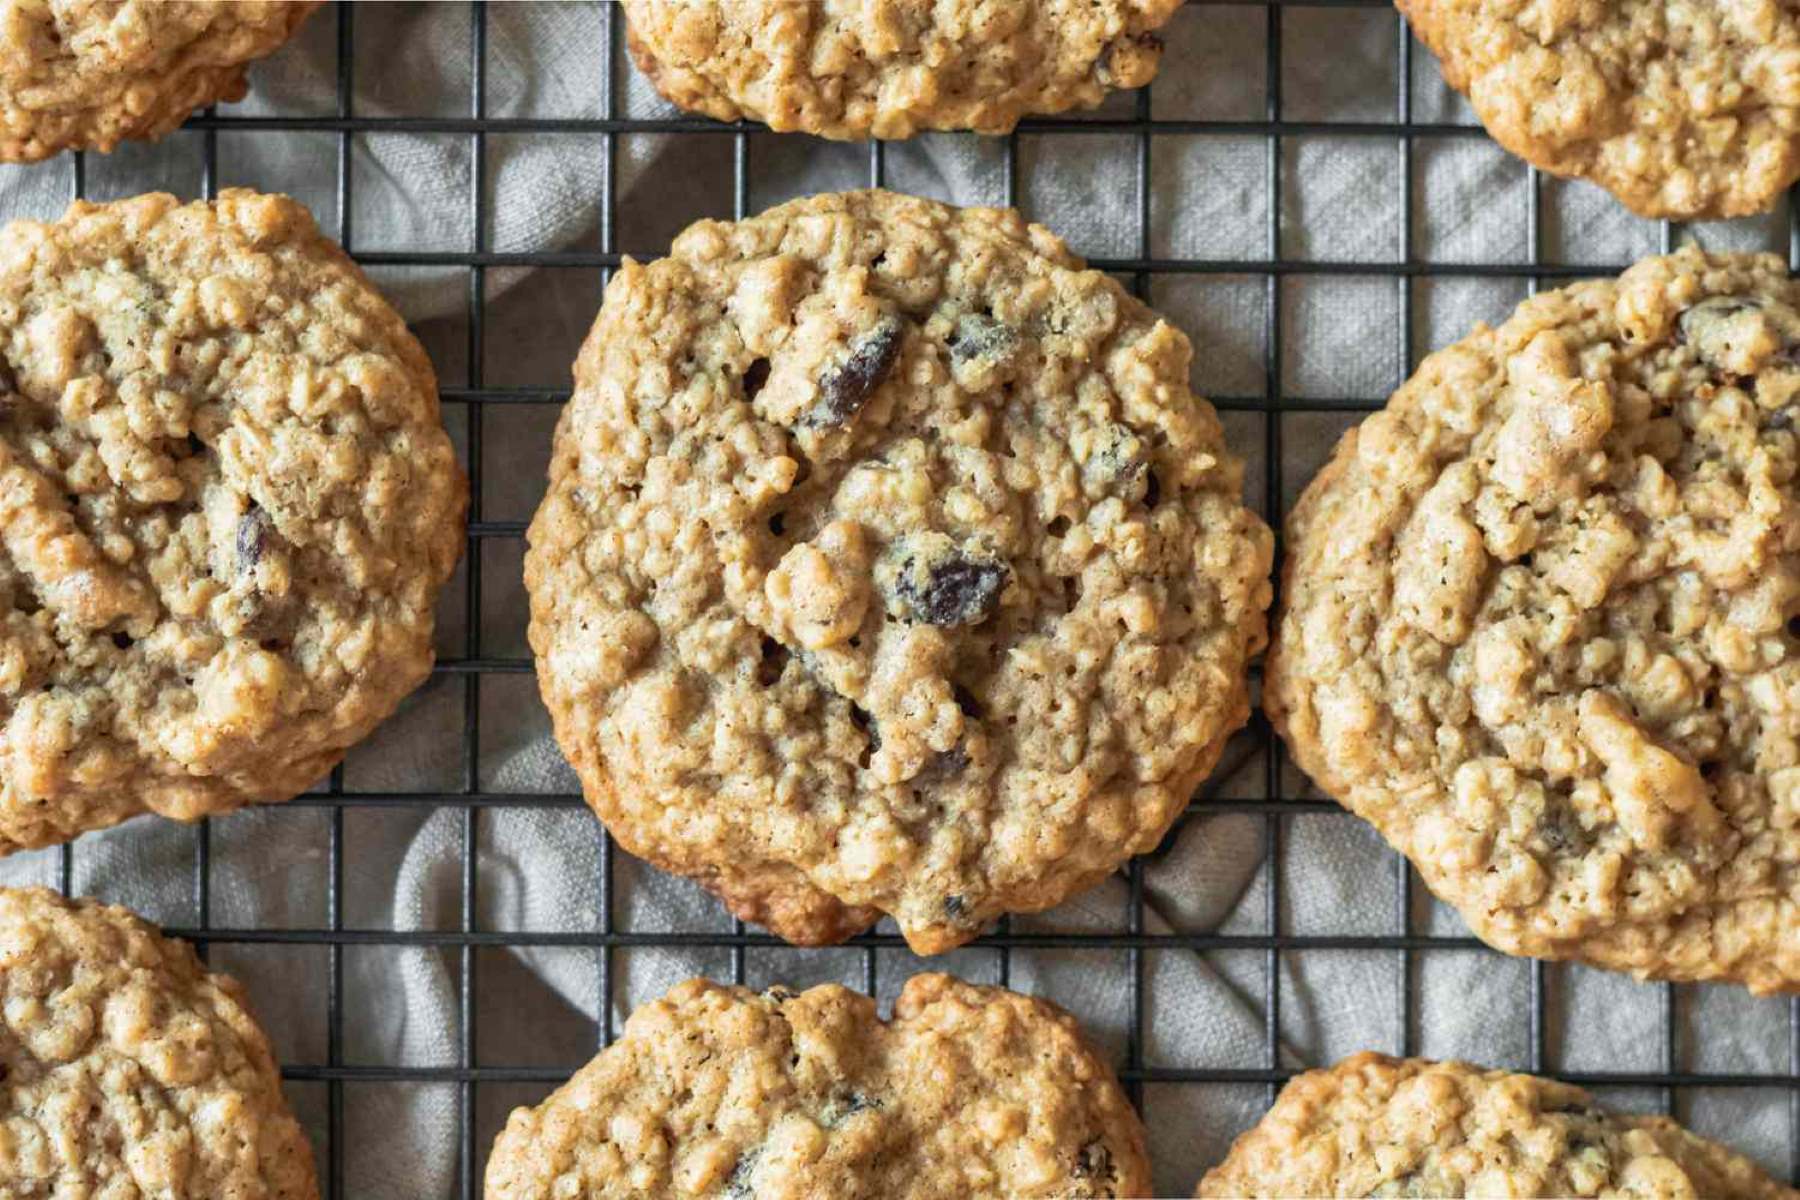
<point>226,505</point>
<point>969,1091</point>
<point>78,74</point>
<point>889,565</point>
<point>127,1070</point>
<point>1540,624</point>
<point>1681,108</point>
<point>1391,1127</point>
<point>892,68</point>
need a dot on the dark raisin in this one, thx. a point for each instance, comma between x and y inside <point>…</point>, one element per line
<point>1793,627</point>
<point>953,907</point>
<point>980,336</point>
<point>860,718</point>
<point>252,537</point>
<point>965,700</point>
<point>122,640</point>
<point>5,1072</point>
<point>771,662</point>
<point>778,523</point>
<point>1057,527</point>
<point>844,389</point>
<point>954,590</point>
<point>1094,1161</point>
<point>1152,489</point>
<point>9,383</point>
<point>755,375</point>
<point>1781,420</point>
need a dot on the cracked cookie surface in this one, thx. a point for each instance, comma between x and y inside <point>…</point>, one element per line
<point>86,74</point>
<point>889,565</point>
<point>226,505</point>
<point>1540,624</point>
<point>1681,108</point>
<point>712,1090</point>
<point>853,69</point>
<point>1388,1127</point>
<point>127,1070</point>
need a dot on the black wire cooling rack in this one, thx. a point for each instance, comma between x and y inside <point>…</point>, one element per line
<point>1255,752</point>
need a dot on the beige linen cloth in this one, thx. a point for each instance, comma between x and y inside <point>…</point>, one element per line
<point>539,867</point>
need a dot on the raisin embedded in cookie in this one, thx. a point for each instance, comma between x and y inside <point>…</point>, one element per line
<point>1679,109</point>
<point>1391,1127</point>
<point>87,74</point>
<point>889,565</point>
<point>1540,624</point>
<point>968,1091</point>
<point>891,68</point>
<point>226,506</point>
<point>127,1070</point>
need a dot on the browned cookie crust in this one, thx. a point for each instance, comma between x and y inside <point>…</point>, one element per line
<point>126,1070</point>
<point>1540,624</point>
<point>1392,1127</point>
<point>889,565</point>
<point>968,1091</point>
<point>891,68</point>
<point>1681,108</point>
<point>78,74</point>
<point>226,506</point>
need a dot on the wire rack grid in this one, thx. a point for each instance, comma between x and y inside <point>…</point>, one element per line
<point>1255,751</point>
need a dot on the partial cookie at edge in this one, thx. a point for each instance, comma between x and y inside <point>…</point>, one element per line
<point>968,1091</point>
<point>121,1058</point>
<point>87,74</point>
<point>1680,110</point>
<point>229,503</point>
<point>1378,1126</point>
<point>893,69</point>
<point>1536,624</point>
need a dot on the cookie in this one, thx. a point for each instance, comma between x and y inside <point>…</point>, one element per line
<point>968,1091</point>
<point>1390,1127</point>
<point>88,74</point>
<point>853,69</point>
<point>1679,109</point>
<point>127,1070</point>
<point>889,565</point>
<point>1540,624</point>
<point>226,505</point>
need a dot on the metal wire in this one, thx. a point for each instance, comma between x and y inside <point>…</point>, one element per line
<point>1142,268</point>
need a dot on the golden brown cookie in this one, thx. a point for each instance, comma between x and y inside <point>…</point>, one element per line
<point>227,503</point>
<point>854,69</point>
<point>1680,108</point>
<point>889,565</point>
<point>1540,624</point>
<point>127,1070</point>
<point>1392,1127</point>
<point>720,1091</point>
<point>87,74</point>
